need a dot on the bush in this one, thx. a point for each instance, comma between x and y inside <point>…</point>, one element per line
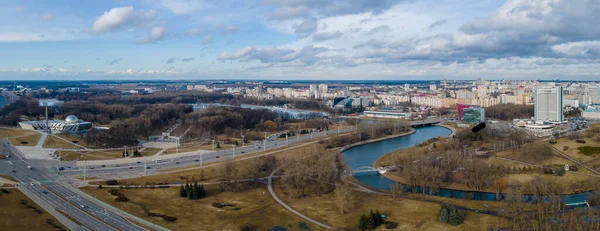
<point>169,218</point>
<point>112,182</point>
<point>391,225</point>
<point>100,186</point>
<point>121,198</point>
<point>245,227</point>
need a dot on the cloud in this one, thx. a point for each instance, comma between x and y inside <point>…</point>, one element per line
<point>308,55</point>
<point>290,12</point>
<point>171,60</point>
<point>378,29</point>
<point>117,18</point>
<point>207,39</point>
<point>227,29</point>
<point>47,17</point>
<point>113,62</point>
<point>187,59</point>
<point>156,34</point>
<point>287,9</point>
<point>181,6</point>
<point>194,31</point>
<point>323,36</point>
<point>437,23</point>
<point>583,49</point>
<point>306,28</point>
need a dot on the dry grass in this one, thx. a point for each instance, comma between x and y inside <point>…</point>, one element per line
<point>27,140</point>
<point>572,150</point>
<point>53,142</point>
<point>150,151</point>
<point>102,155</point>
<point>74,139</point>
<point>255,207</point>
<point>15,216</point>
<point>10,132</point>
<point>70,155</point>
<point>410,214</point>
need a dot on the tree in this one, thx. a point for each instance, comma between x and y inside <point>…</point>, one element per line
<point>370,221</point>
<point>455,218</point>
<point>363,223</point>
<point>444,215</point>
<point>373,219</point>
<point>182,192</point>
<point>396,190</point>
<point>236,143</point>
<point>344,196</point>
<point>270,125</point>
<point>218,144</point>
<point>190,194</point>
<point>378,218</point>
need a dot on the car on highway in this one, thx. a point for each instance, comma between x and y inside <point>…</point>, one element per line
<point>177,162</point>
<point>197,160</point>
<point>148,167</point>
<point>116,165</point>
<point>61,168</point>
<point>130,167</point>
<point>82,206</point>
<point>14,171</point>
<point>91,167</point>
<point>139,162</point>
<point>32,184</point>
<point>103,166</point>
<point>216,156</point>
<point>45,192</point>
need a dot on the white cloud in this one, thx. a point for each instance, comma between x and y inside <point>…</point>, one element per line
<point>116,18</point>
<point>181,6</point>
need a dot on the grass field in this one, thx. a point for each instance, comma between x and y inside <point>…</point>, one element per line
<point>27,140</point>
<point>15,216</point>
<point>256,208</point>
<point>410,214</point>
<point>16,136</point>
<point>573,148</point>
<point>53,142</point>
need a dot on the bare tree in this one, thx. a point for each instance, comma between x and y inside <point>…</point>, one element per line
<point>344,196</point>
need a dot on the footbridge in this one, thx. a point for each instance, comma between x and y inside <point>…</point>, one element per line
<point>426,122</point>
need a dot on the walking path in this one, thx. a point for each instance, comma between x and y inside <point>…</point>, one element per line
<point>272,192</point>
<point>68,141</point>
<point>41,140</point>
<point>573,159</point>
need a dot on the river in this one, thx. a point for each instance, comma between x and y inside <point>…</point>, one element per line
<point>366,154</point>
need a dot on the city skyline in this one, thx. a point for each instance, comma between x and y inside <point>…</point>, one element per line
<point>291,40</point>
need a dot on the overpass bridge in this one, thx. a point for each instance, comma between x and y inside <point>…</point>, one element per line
<point>426,122</point>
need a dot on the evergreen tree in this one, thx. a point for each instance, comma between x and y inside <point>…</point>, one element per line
<point>182,192</point>
<point>236,143</point>
<point>454,218</point>
<point>379,218</point>
<point>443,207</point>
<point>190,194</point>
<point>363,223</point>
<point>372,220</point>
<point>444,216</point>
<point>201,191</point>
<point>218,145</point>
<point>123,153</point>
<point>194,193</point>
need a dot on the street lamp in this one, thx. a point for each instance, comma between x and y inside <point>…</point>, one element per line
<point>233,152</point>
<point>213,145</point>
<point>286,139</point>
<point>243,140</point>
<point>265,142</point>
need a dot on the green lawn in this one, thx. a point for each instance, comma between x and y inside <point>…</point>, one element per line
<point>589,150</point>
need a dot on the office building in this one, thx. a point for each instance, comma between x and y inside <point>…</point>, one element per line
<point>549,104</point>
<point>473,115</point>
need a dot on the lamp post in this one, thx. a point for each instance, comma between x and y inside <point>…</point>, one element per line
<point>213,145</point>
<point>233,152</point>
<point>286,139</point>
<point>243,140</point>
<point>265,142</point>
<point>84,166</point>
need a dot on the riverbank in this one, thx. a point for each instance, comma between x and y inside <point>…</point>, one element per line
<point>343,149</point>
<point>453,130</point>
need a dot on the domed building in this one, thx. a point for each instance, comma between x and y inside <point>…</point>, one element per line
<point>71,124</point>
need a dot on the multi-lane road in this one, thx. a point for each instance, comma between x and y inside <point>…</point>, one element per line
<point>149,165</point>
<point>40,180</point>
<point>50,185</point>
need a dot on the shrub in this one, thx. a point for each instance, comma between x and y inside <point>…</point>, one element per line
<point>169,218</point>
<point>112,182</point>
<point>245,227</point>
<point>391,225</point>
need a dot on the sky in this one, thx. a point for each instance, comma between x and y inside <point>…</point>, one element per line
<point>299,39</point>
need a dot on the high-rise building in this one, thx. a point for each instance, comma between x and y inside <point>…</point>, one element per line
<point>406,87</point>
<point>549,103</point>
<point>323,88</point>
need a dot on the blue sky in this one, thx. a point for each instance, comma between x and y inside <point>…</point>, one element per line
<point>300,39</point>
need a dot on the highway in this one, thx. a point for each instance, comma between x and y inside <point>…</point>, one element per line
<point>136,166</point>
<point>52,186</point>
<point>41,181</point>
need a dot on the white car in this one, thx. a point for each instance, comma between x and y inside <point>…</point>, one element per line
<point>32,184</point>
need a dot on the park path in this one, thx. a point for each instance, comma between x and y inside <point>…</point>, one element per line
<point>272,192</point>
<point>41,140</point>
<point>572,159</point>
<point>68,141</point>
